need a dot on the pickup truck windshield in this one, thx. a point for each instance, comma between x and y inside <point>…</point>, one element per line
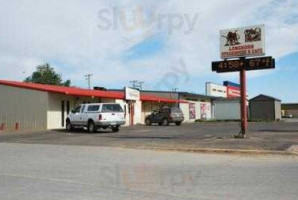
<point>111,108</point>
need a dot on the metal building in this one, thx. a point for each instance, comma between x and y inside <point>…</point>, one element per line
<point>265,107</point>
<point>227,109</point>
<point>38,106</point>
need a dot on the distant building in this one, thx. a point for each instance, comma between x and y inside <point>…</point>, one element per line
<point>264,107</point>
<point>233,89</point>
<point>290,109</point>
<point>227,90</point>
<point>216,90</point>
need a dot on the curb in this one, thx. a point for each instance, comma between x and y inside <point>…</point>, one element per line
<point>220,151</point>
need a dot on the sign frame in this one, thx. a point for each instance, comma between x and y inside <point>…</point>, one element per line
<point>132,94</point>
<point>246,41</point>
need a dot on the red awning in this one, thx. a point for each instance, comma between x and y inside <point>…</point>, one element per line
<point>73,91</point>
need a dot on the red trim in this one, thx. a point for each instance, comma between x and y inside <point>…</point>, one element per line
<point>145,97</point>
<point>72,91</point>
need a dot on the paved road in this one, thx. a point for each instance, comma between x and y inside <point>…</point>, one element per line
<point>262,136</point>
<point>55,172</point>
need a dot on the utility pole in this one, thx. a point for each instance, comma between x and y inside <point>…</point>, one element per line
<point>88,78</point>
<point>141,85</point>
<point>134,83</point>
<point>137,84</point>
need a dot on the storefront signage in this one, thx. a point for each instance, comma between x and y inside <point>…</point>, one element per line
<point>242,42</point>
<point>132,94</point>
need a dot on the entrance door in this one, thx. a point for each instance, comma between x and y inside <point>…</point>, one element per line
<point>131,114</point>
<point>62,113</point>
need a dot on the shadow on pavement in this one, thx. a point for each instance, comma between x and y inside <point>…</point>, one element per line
<point>278,131</point>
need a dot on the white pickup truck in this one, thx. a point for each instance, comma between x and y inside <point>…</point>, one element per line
<point>97,115</point>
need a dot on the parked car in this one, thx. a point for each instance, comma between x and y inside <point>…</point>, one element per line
<point>288,115</point>
<point>165,116</point>
<point>94,116</point>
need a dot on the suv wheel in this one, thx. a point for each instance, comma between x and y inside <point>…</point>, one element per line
<point>91,127</point>
<point>115,129</point>
<point>178,123</point>
<point>148,122</point>
<point>165,122</point>
<point>68,126</point>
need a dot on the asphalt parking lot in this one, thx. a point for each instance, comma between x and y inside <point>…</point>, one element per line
<point>262,136</point>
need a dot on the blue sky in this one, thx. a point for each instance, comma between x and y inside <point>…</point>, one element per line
<point>168,44</point>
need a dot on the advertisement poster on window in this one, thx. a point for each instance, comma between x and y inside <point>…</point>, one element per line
<point>205,108</point>
<point>192,111</point>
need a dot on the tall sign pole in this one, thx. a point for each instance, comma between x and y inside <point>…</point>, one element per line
<point>243,102</point>
<point>235,46</point>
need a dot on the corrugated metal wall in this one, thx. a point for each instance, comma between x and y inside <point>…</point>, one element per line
<point>23,106</point>
<point>262,110</point>
<point>277,110</point>
<point>227,110</point>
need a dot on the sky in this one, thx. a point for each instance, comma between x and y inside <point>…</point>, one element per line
<point>167,44</point>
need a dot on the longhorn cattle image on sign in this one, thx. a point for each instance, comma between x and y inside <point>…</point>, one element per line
<point>232,38</point>
<point>242,42</point>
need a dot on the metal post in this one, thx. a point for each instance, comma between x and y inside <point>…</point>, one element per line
<point>243,103</point>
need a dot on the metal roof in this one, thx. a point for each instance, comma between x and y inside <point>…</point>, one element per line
<point>265,96</point>
<point>74,91</point>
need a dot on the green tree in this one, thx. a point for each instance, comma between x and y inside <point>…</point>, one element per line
<point>45,74</point>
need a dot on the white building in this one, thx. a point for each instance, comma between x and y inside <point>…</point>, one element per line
<point>216,90</point>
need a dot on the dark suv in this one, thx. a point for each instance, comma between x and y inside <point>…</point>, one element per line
<point>165,116</point>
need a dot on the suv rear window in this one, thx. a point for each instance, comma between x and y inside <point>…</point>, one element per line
<point>111,108</point>
<point>176,110</point>
<point>93,108</point>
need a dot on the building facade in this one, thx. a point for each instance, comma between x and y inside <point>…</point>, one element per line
<point>264,107</point>
<point>199,107</point>
<point>37,106</point>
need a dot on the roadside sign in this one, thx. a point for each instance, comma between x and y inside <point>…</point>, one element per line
<point>242,42</point>
<point>132,94</point>
<point>244,64</point>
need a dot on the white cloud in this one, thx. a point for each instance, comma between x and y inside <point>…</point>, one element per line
<point>66,33</point>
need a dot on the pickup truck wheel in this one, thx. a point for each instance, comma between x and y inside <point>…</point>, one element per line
<point>91,127</point>
<point>165,122</point>
<point>115,129</point>
<point>69,127</point>
<point>148,122</point>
